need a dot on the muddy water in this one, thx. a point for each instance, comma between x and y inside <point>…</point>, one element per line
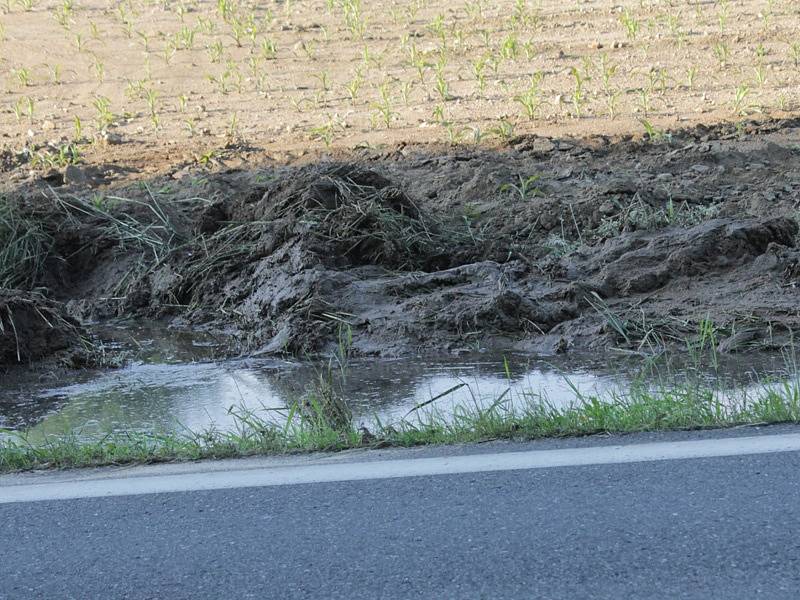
<point>173,383</point>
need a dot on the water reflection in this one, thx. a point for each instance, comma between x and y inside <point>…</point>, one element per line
<point>163,391</point>
<point>197,395</point>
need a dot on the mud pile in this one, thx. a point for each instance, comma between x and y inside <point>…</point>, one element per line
<point>549,246</point>
<point>33,327</point>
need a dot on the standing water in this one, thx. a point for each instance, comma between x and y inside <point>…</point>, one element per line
<point>173,385</point>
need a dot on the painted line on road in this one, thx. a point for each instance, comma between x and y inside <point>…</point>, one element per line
<point>197,477</point>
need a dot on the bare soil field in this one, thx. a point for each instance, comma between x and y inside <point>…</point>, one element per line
<point>163,82</point>
<point>421,177</point>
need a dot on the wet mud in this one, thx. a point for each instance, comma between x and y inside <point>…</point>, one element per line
<point>549,246</point>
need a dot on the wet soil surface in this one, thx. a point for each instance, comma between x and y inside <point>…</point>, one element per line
<point>548,245</point>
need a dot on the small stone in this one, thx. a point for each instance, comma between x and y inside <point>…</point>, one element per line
<point>607,208</point>
<point>543,146</point>
<point>111,138</point>
<point>75,176</point>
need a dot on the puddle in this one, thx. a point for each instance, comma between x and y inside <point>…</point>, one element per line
<point>164,391</point>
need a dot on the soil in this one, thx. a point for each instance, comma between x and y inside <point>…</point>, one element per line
<point>33,327</point>
<point>549,245</point>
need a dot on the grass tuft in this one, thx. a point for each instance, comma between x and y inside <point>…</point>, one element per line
<point>24,246</point>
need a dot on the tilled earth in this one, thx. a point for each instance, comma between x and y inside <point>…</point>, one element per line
<point>546,245</point>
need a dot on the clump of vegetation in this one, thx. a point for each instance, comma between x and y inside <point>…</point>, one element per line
<point>24,247</point>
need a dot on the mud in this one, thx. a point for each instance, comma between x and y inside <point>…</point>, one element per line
<point>33,327</point>
<point>548,245</point>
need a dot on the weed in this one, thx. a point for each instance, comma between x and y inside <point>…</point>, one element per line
<point>24,247</point>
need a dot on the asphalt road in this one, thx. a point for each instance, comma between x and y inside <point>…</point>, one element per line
<point>725,527</point>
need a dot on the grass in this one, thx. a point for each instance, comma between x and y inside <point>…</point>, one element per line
<point>24,246</point>
<point>322,422</point>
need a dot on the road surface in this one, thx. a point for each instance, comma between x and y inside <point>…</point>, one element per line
<point>706,515</point>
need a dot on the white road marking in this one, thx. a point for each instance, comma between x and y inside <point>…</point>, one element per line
<point>187,477</point>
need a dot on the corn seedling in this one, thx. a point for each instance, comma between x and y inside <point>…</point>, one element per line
<point>324,80</point>
<point>17,108</point>
<point>23,75</point>
<point>630,24</point>
<point>354,18</point>
<point>645,104</point>
<point>384,107</point>
<point>479,71</point>
<point>441,86</point>
<point>691,75</point>
<point>607,71</point>
<point>504,130</point>
<point>326,132</point>
<point>760,75</point>
<point>475,9</point>
<point>55,73</point>
<point>437,27</point>
<point>184,39</point>
<point>405,91</point>
<point>722,52</point>
<point>794,53</point>
<point>354,85</point>
<point>509,48</point>
<point>739,103</point>
<point>105,117</point>
<point>524,188</point>
<point>578,93</point>
<point>168,52</point>
<point>80,43</point>
<point>438,114</point>
<point>269,49</point>
<point>612,100</point>
<point>99,71</point>
<point>654,134</point>
<point>233,127</point>
<point>531,98</point>
<point>522,16</point>
<point>215,51</point>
